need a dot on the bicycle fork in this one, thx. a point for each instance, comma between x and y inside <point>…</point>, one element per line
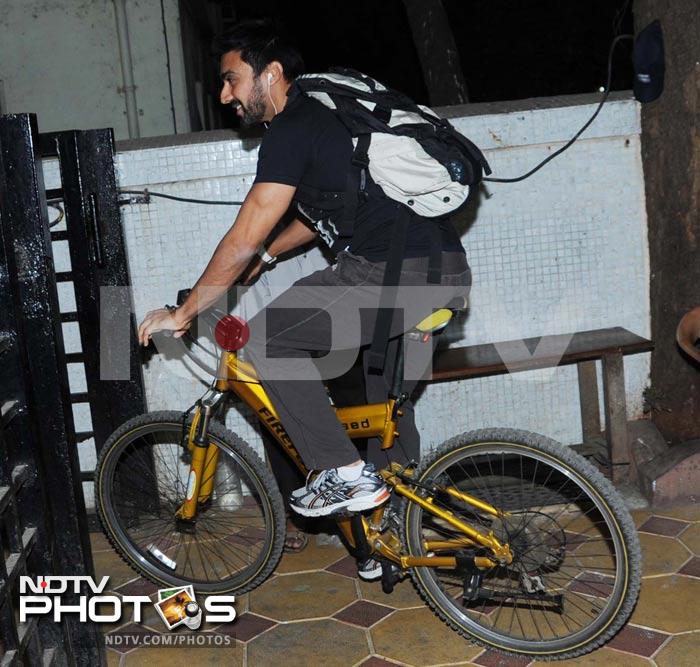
<point>204,459</point>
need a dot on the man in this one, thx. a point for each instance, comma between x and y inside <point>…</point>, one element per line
<point>307,147</point>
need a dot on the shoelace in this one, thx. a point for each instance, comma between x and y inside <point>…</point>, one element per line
<point>319,481</point>
<point>326,477</point>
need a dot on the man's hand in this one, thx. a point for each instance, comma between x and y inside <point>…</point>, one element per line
<point>161,320</point>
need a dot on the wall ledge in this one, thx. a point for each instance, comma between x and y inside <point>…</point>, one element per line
<point>530,104</point>
<point>250,139</point>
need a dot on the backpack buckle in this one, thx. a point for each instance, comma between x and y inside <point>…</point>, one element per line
<point>360,160</point>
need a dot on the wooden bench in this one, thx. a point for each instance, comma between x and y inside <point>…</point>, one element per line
<point>582,348</point>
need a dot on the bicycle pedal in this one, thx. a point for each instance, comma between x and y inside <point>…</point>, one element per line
<point>472,585</point>
<point>390,575</point>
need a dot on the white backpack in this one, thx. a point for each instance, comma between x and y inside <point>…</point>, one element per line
<point>413,155</point>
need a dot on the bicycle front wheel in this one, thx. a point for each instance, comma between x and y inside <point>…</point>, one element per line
<point>236,538</point>
<point>575,573</point>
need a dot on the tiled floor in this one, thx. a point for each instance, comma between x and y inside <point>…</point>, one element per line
<point>314,611</point>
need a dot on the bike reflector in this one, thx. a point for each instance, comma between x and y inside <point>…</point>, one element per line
<point>231,333</point>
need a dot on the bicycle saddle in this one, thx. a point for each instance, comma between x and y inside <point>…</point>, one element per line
<point>438,320</point>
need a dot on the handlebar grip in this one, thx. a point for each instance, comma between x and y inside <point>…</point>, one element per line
<point>182,295</point>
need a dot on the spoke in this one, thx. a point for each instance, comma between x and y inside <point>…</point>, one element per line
<point>479,518</point>
<point>529,604</point>
<point>517,618</point>
<point>236,554</point>
<point>585,514</point>
<point>486,490</point>
<point>500,607</point>
<point>589,584</point>
<point>202,559</point>
<point>522,480</point>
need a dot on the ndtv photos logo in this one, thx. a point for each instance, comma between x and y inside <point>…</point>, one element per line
<point>43,596</point>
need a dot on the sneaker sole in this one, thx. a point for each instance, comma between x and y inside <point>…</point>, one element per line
<point>352,505</point>
<point>372,575</point>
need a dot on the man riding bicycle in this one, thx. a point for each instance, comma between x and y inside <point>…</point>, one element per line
<point>307,148</point>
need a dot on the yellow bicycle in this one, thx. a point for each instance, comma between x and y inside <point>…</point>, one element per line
<point>515,541</point>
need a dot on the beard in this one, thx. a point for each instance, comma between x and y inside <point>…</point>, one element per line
<point>254,112</point>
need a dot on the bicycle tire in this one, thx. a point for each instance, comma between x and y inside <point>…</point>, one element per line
<point>625,587</point>
<point>170,422</point>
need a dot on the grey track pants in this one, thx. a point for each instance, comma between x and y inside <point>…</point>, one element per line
<point>314,330</point>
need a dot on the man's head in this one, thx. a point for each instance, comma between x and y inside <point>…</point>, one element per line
<point>254,57</point>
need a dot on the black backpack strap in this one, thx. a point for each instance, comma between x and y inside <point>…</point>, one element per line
<point>327,200</point>
<point>387,299</point>
<point>356,184</point>
<point>435,256</point>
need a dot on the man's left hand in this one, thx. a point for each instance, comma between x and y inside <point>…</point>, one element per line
<point>161,320</point>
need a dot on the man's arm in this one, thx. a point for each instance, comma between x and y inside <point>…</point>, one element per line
<point>295,234</point>
<point>263,207</point>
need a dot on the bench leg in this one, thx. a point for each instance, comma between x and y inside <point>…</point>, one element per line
<point>615,413</point>
<point>588,397</point>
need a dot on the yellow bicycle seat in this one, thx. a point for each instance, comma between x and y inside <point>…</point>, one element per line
<point>439,319</point>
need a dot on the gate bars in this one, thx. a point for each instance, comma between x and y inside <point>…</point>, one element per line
<point>43,522</point>
<point>42,511</point>
<point>98,262</point>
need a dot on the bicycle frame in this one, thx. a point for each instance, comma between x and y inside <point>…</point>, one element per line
<point>360,421</point>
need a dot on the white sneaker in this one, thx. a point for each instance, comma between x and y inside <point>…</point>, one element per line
<point>369,569</point>
<point>329,493</point>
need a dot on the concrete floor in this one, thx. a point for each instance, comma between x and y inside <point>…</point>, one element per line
<point>314,611</point>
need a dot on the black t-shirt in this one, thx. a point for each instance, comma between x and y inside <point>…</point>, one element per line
<point>307,146</point>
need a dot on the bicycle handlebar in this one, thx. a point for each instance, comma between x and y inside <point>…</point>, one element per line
<point>230,331</point>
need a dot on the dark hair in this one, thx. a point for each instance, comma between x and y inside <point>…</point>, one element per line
<point>260,42</point>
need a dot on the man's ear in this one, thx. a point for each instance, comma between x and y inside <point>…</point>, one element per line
<point>276,70</point>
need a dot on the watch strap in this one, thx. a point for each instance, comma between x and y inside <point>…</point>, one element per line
<point>265,256</point>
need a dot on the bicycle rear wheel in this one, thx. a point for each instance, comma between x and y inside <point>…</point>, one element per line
<point>141,478</point>
<point>575,574</point>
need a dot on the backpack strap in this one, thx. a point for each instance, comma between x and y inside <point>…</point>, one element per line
<point>387,300</point>
<point>435,256</point>
<point>356,184</point>
<point>324,199</point>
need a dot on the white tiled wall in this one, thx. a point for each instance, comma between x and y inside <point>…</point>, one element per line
<point>562,251</point>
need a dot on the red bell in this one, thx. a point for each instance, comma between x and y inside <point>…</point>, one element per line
<point>231,333</point>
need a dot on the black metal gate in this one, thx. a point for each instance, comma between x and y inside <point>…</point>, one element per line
<point>100,280</point>
<point>43,521</point>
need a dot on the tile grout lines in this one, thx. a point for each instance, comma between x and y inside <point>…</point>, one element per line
<point>655,525</point>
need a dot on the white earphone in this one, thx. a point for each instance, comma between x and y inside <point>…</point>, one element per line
<point>269,94</point>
